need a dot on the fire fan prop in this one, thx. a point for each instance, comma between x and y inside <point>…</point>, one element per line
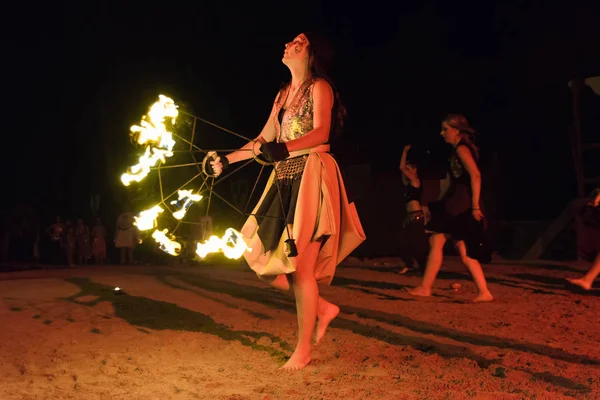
<point>156,138</point>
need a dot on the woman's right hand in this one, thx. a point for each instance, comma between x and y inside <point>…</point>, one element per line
<point>219,164</point>
<point>477,214</point>
<point>406,148</point>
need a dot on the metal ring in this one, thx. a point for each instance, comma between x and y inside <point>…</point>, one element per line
<point>255,156</point>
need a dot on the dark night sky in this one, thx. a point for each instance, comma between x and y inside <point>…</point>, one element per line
<point>84,72</point>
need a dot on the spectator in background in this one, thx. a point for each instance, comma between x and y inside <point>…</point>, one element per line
<point>84,246</point>
<point>126,237</point>
<point>99,242</point>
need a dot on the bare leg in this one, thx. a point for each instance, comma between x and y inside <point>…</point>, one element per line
<point>71,256</point>
<point>326,311</point>
<point>477,272</point>
<point>123,250</point>
<point>587,280</point>
<point>306,291</point>
<point>434,263</point>
<point>130,255</point>
<point>280,282</point>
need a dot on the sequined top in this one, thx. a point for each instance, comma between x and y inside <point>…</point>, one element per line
<point>297,119</point>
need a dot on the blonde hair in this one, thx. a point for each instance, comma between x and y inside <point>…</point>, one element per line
<point>467,133</point>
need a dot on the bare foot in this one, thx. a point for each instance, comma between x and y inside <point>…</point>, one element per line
<point>420,291</point>
<point>296,362</point>
<point>581,283</point>
<point>325,316</point>
<point>483,298</point>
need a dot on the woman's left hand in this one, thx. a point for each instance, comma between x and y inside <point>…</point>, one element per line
<point>426,214</point>
<point>477,214</point>
<point>274,151</point>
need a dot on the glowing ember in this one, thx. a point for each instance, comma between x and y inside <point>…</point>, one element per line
<point>186,198</point>
<point>146,219</point>
<point>232,245</point>
<point>152,133</point>
<point>165,243</point>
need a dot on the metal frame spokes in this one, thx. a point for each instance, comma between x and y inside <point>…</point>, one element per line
<point>207,187</point>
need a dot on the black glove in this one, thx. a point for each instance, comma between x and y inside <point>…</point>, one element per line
<point>274,151</point>
<point>208,167</point>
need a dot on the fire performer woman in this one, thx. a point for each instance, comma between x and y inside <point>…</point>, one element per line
<point>459,215</point>
<point>304,205</point>
<point>591,219</point>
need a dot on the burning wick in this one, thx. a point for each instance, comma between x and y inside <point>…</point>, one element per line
<point>117,289</point>
<point>232,245</point>
<point>186,197</point>
<point>152,133</point>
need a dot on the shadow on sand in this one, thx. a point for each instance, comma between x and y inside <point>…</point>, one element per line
<point>280,301</point>
<point>541,287</point>
<point>158,315</point>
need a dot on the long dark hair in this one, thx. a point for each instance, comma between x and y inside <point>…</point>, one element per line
<point>320,63</point>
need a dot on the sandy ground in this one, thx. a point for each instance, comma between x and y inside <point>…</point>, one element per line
<point>214,331</point>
